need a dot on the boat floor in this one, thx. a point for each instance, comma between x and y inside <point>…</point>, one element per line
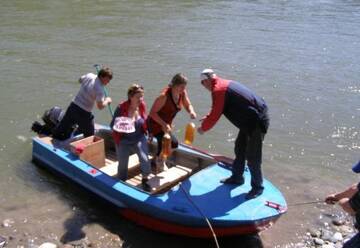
<point>158,181</point>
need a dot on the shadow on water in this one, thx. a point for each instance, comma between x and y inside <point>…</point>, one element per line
<point>92,209</point>
<point>133,235</point>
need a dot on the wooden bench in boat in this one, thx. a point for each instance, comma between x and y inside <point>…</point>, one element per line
<point>111,164</point>
<point>162,180</point>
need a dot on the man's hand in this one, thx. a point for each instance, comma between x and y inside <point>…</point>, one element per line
<point>202,118</point>
<point>103,103</point>
<point>107,101</point>
<point>193,115</point>
<point>167,128</point>
<point>331,199</point>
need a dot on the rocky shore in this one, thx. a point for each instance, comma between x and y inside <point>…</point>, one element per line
<point>332,232</point>
<point>12,235</point>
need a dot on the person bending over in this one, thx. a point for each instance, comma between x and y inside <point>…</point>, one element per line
<point>349,200</point>
<point>79,111</point>
<point>249,113</point>
<point>164,110</point>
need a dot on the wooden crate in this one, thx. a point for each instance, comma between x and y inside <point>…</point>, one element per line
<point>90,149</point>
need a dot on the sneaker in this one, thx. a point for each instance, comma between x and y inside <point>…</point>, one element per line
<point>253,193</point>
<point>232,180</point>
<point>145,185</point>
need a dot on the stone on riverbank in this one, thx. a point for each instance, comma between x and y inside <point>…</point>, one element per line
<point>332,234</point>
<point>48,245</point>
<point>8,222</point>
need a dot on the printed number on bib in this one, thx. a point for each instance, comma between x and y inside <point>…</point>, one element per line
<point>124,125</point>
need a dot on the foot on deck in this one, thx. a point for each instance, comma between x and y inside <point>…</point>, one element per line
<point>253,193</point>
<point>160,165</point>
<point>145,185</point>
<point>232,180</point>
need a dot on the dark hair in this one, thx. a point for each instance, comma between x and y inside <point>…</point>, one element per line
<point>133,89</point>
<point>105,72</point>
<point>178,79</point>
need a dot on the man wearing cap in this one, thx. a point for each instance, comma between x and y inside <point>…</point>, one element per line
<point>349,200</point>
<point>249,113</point>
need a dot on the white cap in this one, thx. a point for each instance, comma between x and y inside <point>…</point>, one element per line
<point>207,74</point>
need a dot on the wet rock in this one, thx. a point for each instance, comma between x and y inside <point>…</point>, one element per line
<point>339,245</point>
<point>330,245</point>
<point>77,244</point>
<point>345,229</point>
<point>338,221</point>
<point>326,235</point>
<point>48,245</point>
<point>319,241</point>
<point>300,245</point>
<point>8,222</point>
<point>336,237</point>
<point>315,233</point>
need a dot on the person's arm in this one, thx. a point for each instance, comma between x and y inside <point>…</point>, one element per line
<point>210,119</point>
<point>103,103</point>
<point>116,114</point>
<point>101,100</point>
<point>348,193</point>
<point>188,106</point>
<point>345,204</point>
<point>158,104</point>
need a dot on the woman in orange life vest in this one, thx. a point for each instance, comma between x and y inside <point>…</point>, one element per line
<point>129,128</point>
<point>165,108</point>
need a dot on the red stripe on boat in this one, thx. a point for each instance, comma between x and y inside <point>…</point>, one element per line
<point>199,232</point>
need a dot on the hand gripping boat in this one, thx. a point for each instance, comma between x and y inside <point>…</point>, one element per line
<point>184,198</point>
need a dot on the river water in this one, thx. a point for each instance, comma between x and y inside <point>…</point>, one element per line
<point>303,57</point>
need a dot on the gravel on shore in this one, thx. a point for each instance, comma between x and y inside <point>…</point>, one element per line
<point>330,234</point>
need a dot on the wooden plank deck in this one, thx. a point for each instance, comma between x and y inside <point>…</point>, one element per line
<point>111,165</point>
<point>166,179</point>
<point>158,183</point>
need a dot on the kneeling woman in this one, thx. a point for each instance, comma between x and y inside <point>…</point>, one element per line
<point>129,129</point>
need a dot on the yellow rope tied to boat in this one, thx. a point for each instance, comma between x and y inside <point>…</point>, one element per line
<point>199,210</point>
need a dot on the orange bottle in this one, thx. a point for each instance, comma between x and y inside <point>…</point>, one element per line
<point>166,146</point>
<point>189,133</point>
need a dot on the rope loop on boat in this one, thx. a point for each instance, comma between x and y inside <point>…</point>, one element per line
<point>203,215</point>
